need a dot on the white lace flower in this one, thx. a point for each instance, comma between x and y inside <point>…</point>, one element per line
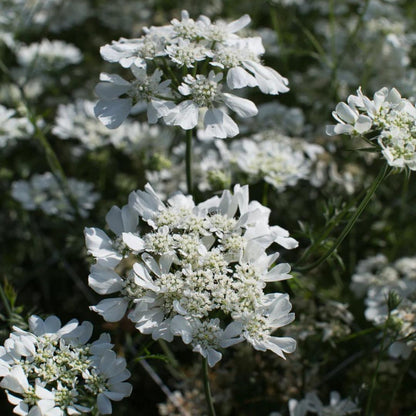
<point>390,118</point>
<point>311,404</point>
<point>190,264</point>
<point>130,52</point>
<point>201,93</point>
<point>278,160</point>
<point>54,371</point>
<point>12,127</point>
<point>44,192</point>
<point>241,59</point>
<point>186,44</point>
<point>376,278</point>
<point>140,94</point>
<point>48,55</point>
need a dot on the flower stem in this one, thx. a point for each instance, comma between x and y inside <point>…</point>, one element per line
<point>5,302</point>
<point>264,199</point>
<point>370,192</point>
<point>207,389</point>
<point>189,161</point>
<point>374,379</point>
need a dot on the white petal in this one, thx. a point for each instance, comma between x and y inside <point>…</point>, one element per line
<point>218,124</point>
<point>104,280</point>
<point>363,124</point>
<point>133,241</point>
<point>104,404</point>
<point>238,24</point>
<point>346,113</point>
<point>242,106</point>
<point>113,112</point>
<point>15,381</point>
<point>180,326</point>
<point>184,115</point>
<point>238,77</point>
<point>112,309</point>
<point>213,356</point>
<point>108,90</point>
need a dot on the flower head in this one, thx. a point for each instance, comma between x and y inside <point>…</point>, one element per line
<point>389,118</point>
<point>189,265</point>
<point>53,370</point>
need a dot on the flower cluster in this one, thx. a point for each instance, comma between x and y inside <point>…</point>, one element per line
<point>54,371</point>
<point>389,118</point>
<point>12,127</point>
<point>311,404</point>
<point>47,55</point>
<point>279,160</point>
<point>44,192</point>
<point>195,271</point>
<point>181,72</point>
<point>377,279</point>
<point>77,121</point>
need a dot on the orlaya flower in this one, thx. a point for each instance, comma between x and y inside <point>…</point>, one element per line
<point>202,93</point>
<point>118,97</point>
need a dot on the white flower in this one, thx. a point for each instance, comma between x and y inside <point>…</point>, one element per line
<point>130,52</point>
<point>187,43</point>
<point>189,264</point>
<point>388,116</point>
<point>278,160</point>
<point>201,93</point>
<point>376,278</point>
<point>44,192</point>
<point>187,53</point>
<point>258,326</point>
<point>12,127</point>
<point>206,337</point>
<point>241,59</point>
<point>48,55</point>
<point>141,94</point>
<point>78,121</point>
<point>53,370</point>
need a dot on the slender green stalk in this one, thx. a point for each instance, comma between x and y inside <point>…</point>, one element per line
<point>405,367</point>
<point>332,223</point>
<point>371,191</point>
<point>5,302</point>
<point>264,199</point>
<point>55,165</point>
<point>374,379</point>
<point>189,161</point>
<point>207,389</point>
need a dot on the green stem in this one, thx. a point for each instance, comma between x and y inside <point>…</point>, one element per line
<point>264,199</point>
<point>55,166</point>
<point>51,157</point>
<point>374,379</point>
<point>207,389</point>
<point>5,302</point>
<point>371,191</point>
<point>332,223</point>
<point>405,367</point>
<point>189,161</point>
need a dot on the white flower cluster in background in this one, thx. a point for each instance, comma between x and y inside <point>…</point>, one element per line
<point>181,73</point>
<point>77,121</point>
<point>52,370</point>
<point>195,271</point>
<point>388,118</point>
<point>279,160</point>
<point>12,127</point>
<point>33,15</point>
<point>47,55</point>
<point>311,404</point>
<point>375,278</point>
<point>44,192</point>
